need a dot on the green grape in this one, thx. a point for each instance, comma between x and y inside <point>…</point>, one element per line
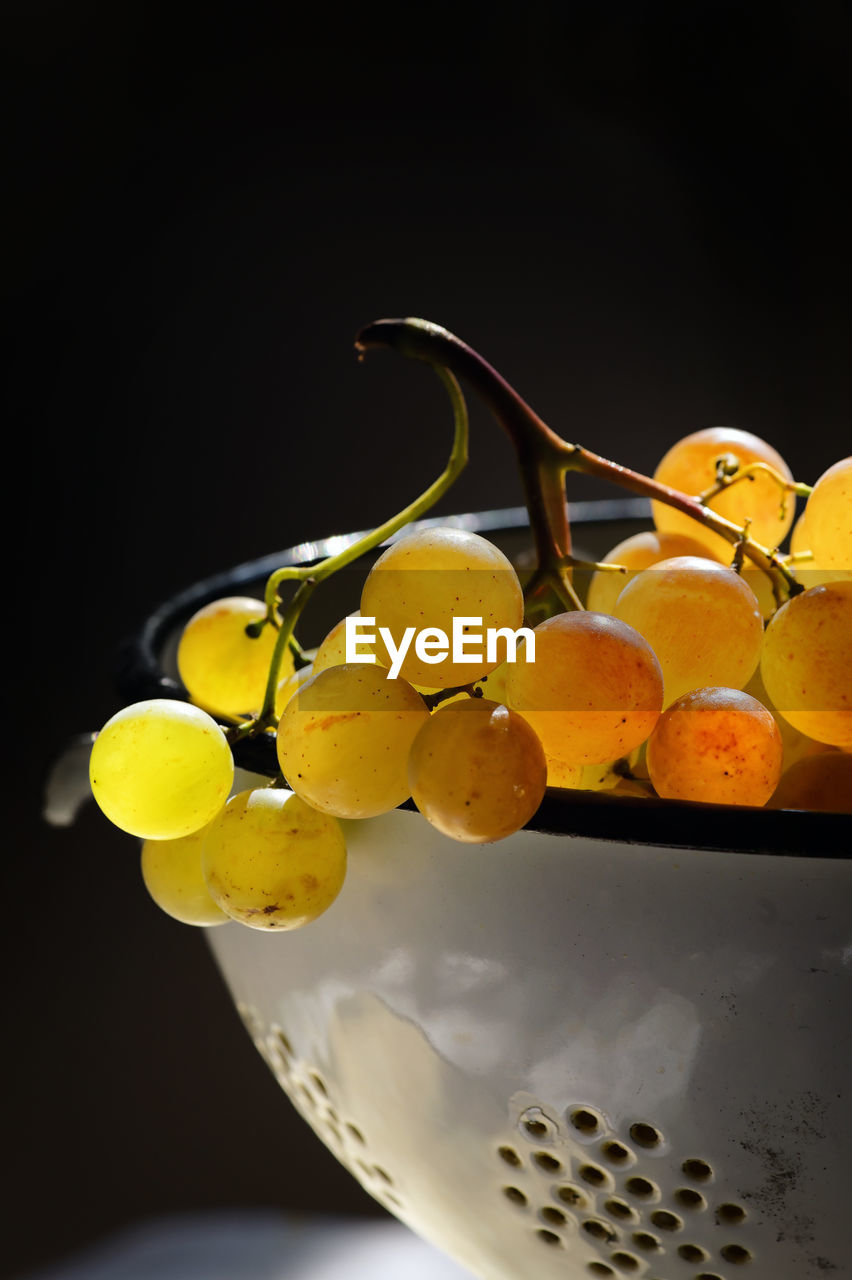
<point>344,738</point>
<point>829,518</point>
<point>806,664</point>
<point>690,466</point>
<point>477,771</point>
<point>427,580</point>
<point>639,551</point>
<point>271,861</point>
<point>701,619</point>
<point>719,746</point>
<point>594,691</point>
<point>161,769</point>
<point>822,782</point>
<point>223,668</point>
<point>171,870</point>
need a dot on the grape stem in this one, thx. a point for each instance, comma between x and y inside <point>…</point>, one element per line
<point>544,459</point>
<point>310,576</point>
<point>729,471</point>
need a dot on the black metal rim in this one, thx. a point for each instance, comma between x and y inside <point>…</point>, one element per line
<point>591,815</point>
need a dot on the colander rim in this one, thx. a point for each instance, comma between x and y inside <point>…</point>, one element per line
<point>588,815</point>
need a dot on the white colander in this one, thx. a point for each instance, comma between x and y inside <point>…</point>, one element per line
<point>615,1046</point>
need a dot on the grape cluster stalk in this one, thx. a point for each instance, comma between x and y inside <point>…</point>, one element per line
<point>701,664</point>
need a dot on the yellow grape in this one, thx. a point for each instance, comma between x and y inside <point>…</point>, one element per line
<point>701,619</point>
<point>289,685</point>
<point>224,669</point>
<point>271,861</point>
<point>477,771</point>
<point>171,870</point>
<point>690,466</point>
<point>594,691</point>
<point>332,651</point>
<point>806,664</point>
<point>807,570</point>
<point>829,516</point>
<point>720,746</point>
<point>428,578</point>
<point>582,777</point>
<point>344,738</point>
<point>639,551</point>
<point>161,769</point>
<point>822,782</point>
<point>796,744</point>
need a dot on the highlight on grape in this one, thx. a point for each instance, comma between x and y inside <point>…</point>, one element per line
<point>704,660</point>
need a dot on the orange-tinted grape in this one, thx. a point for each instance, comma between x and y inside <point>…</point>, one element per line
<point>807,662</point>
<point>477,771</point>
<point>639,551</point>
<point>594,690</point>
<point>720,746</point>
<point>701,619</point>
<point>822,782</point>
<point>690,466</point>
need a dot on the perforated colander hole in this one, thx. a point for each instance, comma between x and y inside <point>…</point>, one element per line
<point>689,1199</point>
<point>555,1217</point>
<point>548,1237</point>
<point>536,1126</point>
<point>284,1045</point>
<point>731,1213</point>
<point>625,1261</point>
<point>319,1083</point>
<point>572,1195</point>
<point>642,1188</point>
<point>735,1253</point>
<point>586,1121</point>
<point>516,1196</point>
<point>509,1156</point>
<point>355,1133</point>
<point>620,1209</point>
<point>594,1175</point>
<point>644,1240</point>
<point>666,1221</point>
<point>599,1230</point>
<point>645,1135</point>
<point>547,1163</point>
<point>383,1174</point>
<point>692,1253</point>
<point>708,1275</point>
<point>599,1269</point>
<point>697,1170</point>
<point>616,1153</point>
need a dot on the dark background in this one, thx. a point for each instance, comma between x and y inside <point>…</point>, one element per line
<point>636,211</point>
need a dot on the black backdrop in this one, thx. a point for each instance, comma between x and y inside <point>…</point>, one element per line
<point>636,211</point>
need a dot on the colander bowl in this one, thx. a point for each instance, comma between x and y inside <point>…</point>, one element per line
<point>615,1044</point>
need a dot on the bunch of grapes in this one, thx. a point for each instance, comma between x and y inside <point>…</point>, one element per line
<point>700,664</point>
